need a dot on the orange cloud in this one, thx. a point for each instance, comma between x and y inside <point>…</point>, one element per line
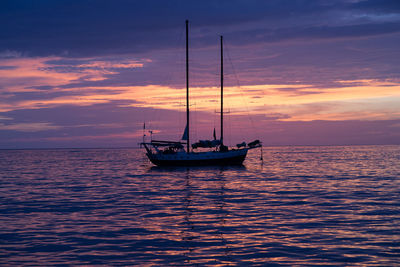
<point>372,100</point>
<point>107,64</point>
<point>354,99</point>
<point>21,74</point>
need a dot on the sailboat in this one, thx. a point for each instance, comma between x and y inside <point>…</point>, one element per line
<point>173,153</point>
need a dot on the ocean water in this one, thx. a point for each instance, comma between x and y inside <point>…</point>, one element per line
<point>301,206</point>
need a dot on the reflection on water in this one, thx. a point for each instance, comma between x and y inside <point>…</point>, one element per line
<point>303,206</point>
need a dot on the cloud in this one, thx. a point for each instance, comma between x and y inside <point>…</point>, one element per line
<point>70,126</point>
<point>98,69</point>
<point>5,118</point>
<point>10,54</point>
<point>116,124</point>
<point>29,127</point>
<point>35,81</point>
<point>316,32</point>
<point>84,28</point>
<point>378,6</point>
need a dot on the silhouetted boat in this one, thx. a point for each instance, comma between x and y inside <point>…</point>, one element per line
<point>171,153</point>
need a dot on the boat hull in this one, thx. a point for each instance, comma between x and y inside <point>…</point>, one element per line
<point>233,157</point>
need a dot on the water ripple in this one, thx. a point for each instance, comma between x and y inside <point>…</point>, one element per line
<point>303,206</point>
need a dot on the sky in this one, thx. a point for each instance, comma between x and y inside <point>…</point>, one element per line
<point>90,73</point>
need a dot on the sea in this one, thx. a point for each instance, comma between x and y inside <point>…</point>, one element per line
<point>298,206</point>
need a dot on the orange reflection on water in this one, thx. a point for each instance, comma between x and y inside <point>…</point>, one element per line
<point>302,205</point>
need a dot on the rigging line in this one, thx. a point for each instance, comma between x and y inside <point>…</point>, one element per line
<point>240,89</point>
<point>194,126</point>
<point>177,57</point>
<point>180,69</point>
<point>170,74</point>
<point>216,81</point>
<point>180,62</point>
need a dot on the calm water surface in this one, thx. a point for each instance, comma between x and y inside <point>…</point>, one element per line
<point>303,206</point>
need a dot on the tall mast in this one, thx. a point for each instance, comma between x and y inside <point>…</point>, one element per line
<point>222,94</point>
<point>187,86</point>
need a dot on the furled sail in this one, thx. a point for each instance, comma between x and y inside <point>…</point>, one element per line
<point>206,143</point>
<point>185,134</point>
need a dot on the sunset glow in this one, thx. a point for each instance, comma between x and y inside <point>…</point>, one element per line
<point>291,73</point>
<point>199,133</point>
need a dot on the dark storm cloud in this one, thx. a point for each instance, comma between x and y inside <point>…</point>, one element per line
<point>82,28</point>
